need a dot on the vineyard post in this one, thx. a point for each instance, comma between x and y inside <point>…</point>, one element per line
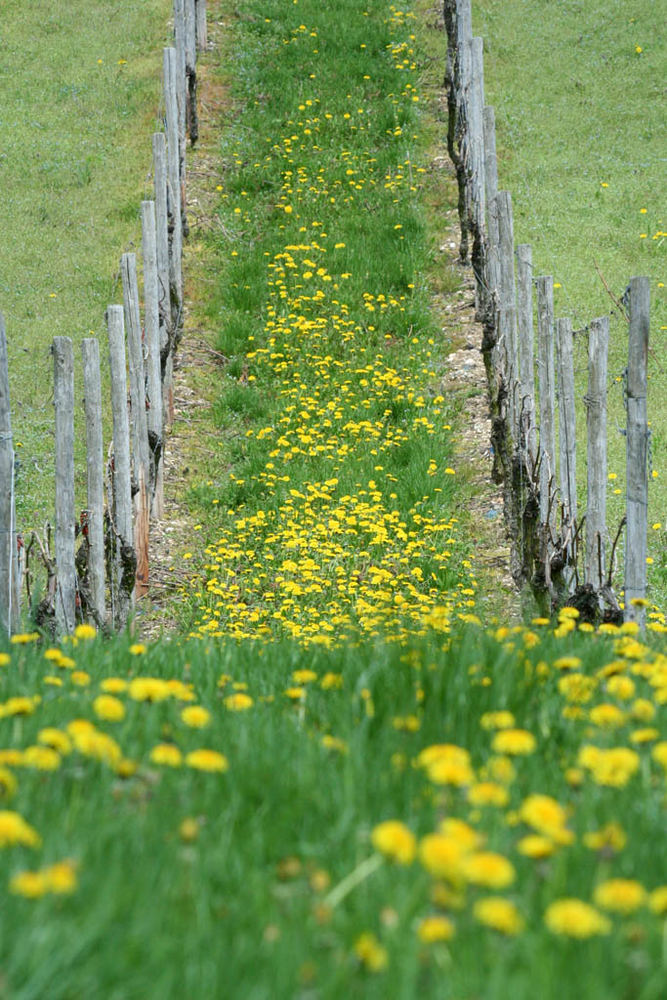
<point>547,391</point>
<point>152,332</point>
<point>567,438</point>
<point>637,436</point>
<point>507,308</point>
<point>200,25</point>
<point>124,561</point>
<point>596,422</point>
<point>162,256</point>
<point>9,570</point>
<point>92,400</point>
<point>139,425</point>
<point>190,48</point>
<point>63,401</point>
<point>174,193</point>
<point>526,337</point>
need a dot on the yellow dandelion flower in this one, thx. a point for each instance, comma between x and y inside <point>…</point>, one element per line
<point>304,676</point>
<point>435,928</point>
<point>166,754</point>
<point>620,895</point>
<point>8,783</point>
<point>114,685</point>
<point>60,877</point>
<point>42,758</point>
<point>188,829</point>
<point>568,663</point>
<point>137,648</point>
<point>611,837</point>
<point>536,846</point>
<point>393,839</point>
<point>31,885</point>
<point>499,914</point>
<point>330,742</point>
<point>607,716</point>
<point>85,631</point>
<point>207,760</point>
<point>5,659</point>
<point>497,720</point>
<point>55,738</point>
<point>547,816</point>
<point>657,901</point>
<point>196,716</point>
<point>372,955</point>
<point>659,753</point>
<point>485,868</point>
<point>514,742</point>
<point>488,793</point>
<point>442,856</point>
<point>575,918</point>
<point>148,689</point>
<point>14,830</point>
<point>105,706</point>
<point>238,702</point>
<point>331,681</point>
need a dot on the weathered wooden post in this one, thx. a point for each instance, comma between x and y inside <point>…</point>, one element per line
<point>475,117</point>
<point>162,256</point>
<point>637,452</point>
<point>124,561</point>
<point>507,334</point>
<point>152,332</point>
<point>596,422</point>
<point>526,337</point>
<point>174,193</point>
<point>138,424</point>
<point>491,277</point>
<point>547,391</point>
<point>181,89</point>
<point>566,421</point>
<point>95,478</point>
<point>200,25</point>
<point>63,401</point>
<point>190,43</point>
<point>10,610</point>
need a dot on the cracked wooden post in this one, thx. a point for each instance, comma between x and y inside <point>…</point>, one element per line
<point>637,434</point>
<point>596,423</point>
<point>10,610</point>
<point>92,400</point>
<point>138,423</point>
<point>181,89</point>
<point>526,338</point>
<point>124,560</point>
<point>190,43</point>
<point>63,401</point>
<point>507,335</point>
<point>153,366</point>
<point>547,391</point>
<point>162,256</point>
<point>476,179</point>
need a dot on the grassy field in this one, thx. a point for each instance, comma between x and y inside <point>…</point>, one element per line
<point>577,92</point>
<point>342,777</point>
<point>81,91</point>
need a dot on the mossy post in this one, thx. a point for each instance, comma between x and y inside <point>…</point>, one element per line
<point>63,401</point>
<point>637,436</point>
<point>9,570</point>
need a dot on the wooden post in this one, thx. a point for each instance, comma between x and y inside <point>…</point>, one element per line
<point>476,179</point>
<point>139,425</point>
<point>125,562</point>
<point>566,420</point>
<point>10,611</point>
<point>174,192</point>
<point>63,401</point>
<point>200,25</point>
<point>547,390</point>
<point>596,422</point>
<point>507,334</point>
<point>490,158</point>
<point>490,192</point>
<point>526,337</point>
<point>152,330</point>
<point>181,88</point>
<point>637,451</point>
<point>190,41</point>
<point>162,254</point>
<point>95,477</point>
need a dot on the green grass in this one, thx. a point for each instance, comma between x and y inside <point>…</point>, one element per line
<point>581,149</point>
<point>81,91</point>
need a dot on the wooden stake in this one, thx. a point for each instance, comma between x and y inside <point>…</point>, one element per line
<point>637,451</point>
<point>526,337</point>
<point>200,25</point>
<point>567,438</point>
<point>507,334</point>
<point>95,477</point>
<point>138,422</point>
<point>162,254</point>
<point>152,335</point>
<point>174,192</point>
<point>63,400</point>
<point>10,611</point>
<point>124,566</point>
<point>547,390</point>
<point>596,403</point>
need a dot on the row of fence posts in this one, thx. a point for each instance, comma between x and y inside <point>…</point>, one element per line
<point>539,480</point>
<point>100,580</point>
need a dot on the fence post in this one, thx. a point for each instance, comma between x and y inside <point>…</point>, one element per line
<point>9,575</point>
<point>596,422</point>
<point>174,193</point>
<point>95,478</point>
<point>637,451</point>
<point>190,44</point>
<point>162,255</point>
<point>181,88</point>
<point>567,437</point>
<point>200,25</point>
<point>507,307</point>
<point>526,337</point>
<point>139,426</point>
<point>547,391</point>
<point>124,559</point>
<point>63,401</point>
<point>152,333</point>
